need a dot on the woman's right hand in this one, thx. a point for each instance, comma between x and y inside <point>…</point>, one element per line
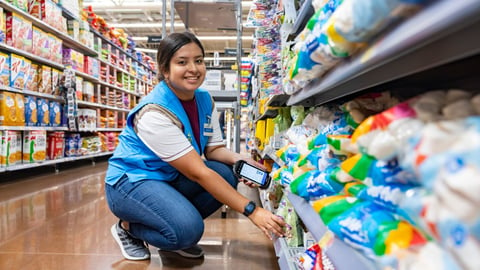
<point>268,222</point>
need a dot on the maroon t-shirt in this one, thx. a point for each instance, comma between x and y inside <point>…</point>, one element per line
<point>190,108</point>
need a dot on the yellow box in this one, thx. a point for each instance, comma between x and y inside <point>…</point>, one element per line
<point>8,110</point>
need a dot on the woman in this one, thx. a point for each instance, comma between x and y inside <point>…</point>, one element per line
<point>157,182</point>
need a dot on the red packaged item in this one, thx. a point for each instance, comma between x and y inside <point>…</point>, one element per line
<point>55,144</point>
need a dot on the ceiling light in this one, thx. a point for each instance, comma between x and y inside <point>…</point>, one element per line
<point>204,38</point>
<point>143,25</point>
<point>146,50</point>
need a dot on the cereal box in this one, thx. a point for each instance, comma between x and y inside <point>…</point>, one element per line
<point>18,149</point>
<point>72,141</point>
<point>78,87</point>
<point>43,112</point>
<point>55,82</point>
<point>55,144</point>
<point>88,91</point>
<point>91,66</point>
<point>34,146</point>
<point>4,69</point>
<point>2,27</point>
<point>20,108</point>
<point>17,75</point>
<point>73,29</point>
<point>30,111</point>
<point>25,70</point>
<point>3,138</point>
<point>45,79</point>
<point>8,110</point>
<point>18,31</point>
<point>34,8</point>
<point>21,4</point>
<point>55,49</point>
<point>40,42</point>
<point>9,149</point>
<point>55,113</point>
<point>87,119</point>
<point>31,81</point>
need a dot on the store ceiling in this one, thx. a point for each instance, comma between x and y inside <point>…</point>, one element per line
<point>214,22</point>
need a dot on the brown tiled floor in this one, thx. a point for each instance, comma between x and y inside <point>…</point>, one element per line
<point>61,221</point>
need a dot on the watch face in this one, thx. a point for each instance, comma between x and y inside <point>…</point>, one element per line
<point>249,208</point>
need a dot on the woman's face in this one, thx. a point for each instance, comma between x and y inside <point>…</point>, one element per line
<point>187,71</point>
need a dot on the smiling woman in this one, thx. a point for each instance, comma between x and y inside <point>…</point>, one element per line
<point>171,169</point>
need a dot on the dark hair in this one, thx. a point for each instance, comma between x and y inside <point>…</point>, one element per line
<point>169,46</point>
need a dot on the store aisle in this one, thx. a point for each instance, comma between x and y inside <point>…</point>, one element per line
<point>62,221</point>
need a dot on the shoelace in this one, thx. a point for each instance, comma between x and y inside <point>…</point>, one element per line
<point>131,241</point>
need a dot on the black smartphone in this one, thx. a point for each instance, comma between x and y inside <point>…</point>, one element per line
<point>247,171</point>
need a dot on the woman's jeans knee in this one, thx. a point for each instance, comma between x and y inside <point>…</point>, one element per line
<point>168,215</point>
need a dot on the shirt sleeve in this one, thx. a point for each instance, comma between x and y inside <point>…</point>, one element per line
<point>162,136</point>
<point>216,138</point>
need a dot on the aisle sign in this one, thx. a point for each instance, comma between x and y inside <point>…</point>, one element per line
<point>154,39</point>
<point>231,52</point>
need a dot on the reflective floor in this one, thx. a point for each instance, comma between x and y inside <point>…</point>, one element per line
<point>61,221</point>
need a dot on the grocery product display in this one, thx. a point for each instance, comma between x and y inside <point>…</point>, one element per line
<point>368,144</point>
<point>366,114</point>
<point>68,81</point>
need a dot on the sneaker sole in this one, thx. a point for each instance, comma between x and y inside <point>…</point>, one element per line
<point>185,254</point>
<point>113,230</point>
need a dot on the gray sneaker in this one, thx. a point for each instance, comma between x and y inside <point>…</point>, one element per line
<point>193,252</point>
<point>131,247</point>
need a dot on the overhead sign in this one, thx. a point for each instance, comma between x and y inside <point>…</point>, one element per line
<point>154,39</point>
<point>231,52</point>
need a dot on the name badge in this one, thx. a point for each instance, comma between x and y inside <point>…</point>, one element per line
<point>207,127</point>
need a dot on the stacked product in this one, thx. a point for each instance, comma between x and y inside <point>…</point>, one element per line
<point>393,178</point>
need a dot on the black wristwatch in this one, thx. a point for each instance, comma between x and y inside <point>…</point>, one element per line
<point>249,208</point>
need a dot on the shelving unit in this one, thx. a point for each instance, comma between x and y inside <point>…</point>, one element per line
<point>52,162</point>
<point>127,79</point>
<point>443,32</point>
<point>438,48</point>
<point>341,255</point>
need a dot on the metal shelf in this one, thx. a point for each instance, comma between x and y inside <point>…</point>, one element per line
<point>97,105</point>
<point>32,93</point>
<point>443,32</point>
<point>51,162</point>
<point>30,56</point>
<point>220,95</point>
<point>342,255</point>
<point>23,128</point>
<point>98,34</point>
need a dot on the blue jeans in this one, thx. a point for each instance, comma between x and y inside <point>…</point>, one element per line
<point>167,215</point>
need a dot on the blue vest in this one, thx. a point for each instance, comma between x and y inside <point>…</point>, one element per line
<point>134,158</point>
